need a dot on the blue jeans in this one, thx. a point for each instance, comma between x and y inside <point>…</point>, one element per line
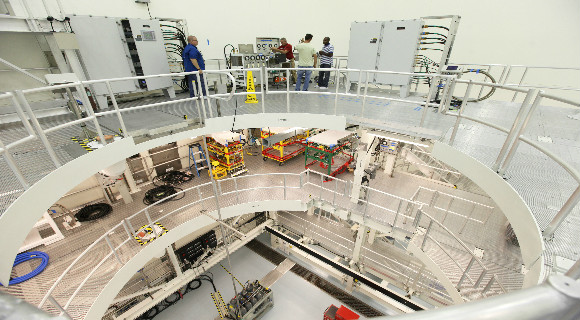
<point>192,82</point>
<point>323,76</point>
<point>307,74</point>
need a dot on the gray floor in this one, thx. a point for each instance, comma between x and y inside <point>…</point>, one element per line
<point>294,297</point>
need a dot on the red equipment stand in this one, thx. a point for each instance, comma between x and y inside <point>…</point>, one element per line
<point>342,313</point>
<point>295,149</point>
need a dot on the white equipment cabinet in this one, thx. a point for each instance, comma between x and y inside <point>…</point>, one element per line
<point>115,47</point>
<point>385,46</point>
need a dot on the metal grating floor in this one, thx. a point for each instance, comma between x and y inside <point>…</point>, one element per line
<point>544,191</point>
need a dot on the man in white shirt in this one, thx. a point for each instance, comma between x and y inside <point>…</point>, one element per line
<point>306,59</point>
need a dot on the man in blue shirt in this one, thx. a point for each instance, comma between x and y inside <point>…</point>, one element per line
<point>193,61</point>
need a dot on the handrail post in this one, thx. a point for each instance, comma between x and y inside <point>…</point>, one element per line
<point>90,112</point>
<point>432,90</point>
<point>38,128</point>
<point>285,187</point>
<point>262,91</point>
<point>464,275</point>
<point>335,191</point>
<point>364,102</point>
<point>397,214</point>
<point>236,189</point>
<point>22,116</point>
<point>467,218</point>
<point>514,147</point>
<point>562,214</point>
<point>358,83</point>
<point>519,84</point>
<point>478,282</point>
<point>488,286</point>
<point>510,137</point>
<point>113,249</point>
<point>200,94</point>
<point>13,166</point>
<point>336,80</point>
<point>288,90</point>
<point>460,112</point>
<point>114,101</point>
<point>444,98</point>
<point>58,306</point>
<point>368,192</point>
<point>426,235</point>
<point>206,96</point>
<point>150,222</point>
<point>574,272</point>
<point>127,228</point>
<point>447,211</point>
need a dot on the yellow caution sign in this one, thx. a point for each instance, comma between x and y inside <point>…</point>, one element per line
<point>251,98</point>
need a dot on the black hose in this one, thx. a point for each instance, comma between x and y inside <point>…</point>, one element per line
<point>93,212</point>
<point>161,192</point>
<point>489,94</point>
<point>431,26</point>
<point>172,178</point>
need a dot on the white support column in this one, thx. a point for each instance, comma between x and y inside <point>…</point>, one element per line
<point>174,261</point>
<point>389,164</point>
<point>75,64</point>
<point>310,211</point>
<point>360,238</point>
<point>57,54</point>
<point>362,162</point>
<point>372,236</point>
<point>124,191</point>
<point>148,162</point>
<point>130,181</point>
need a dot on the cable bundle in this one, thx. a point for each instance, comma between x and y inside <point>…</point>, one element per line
<point>175,34</point>
<point>23,257</point>
<point>172,178</point>
<point>93,212</point>
<point>176,296</point>
<point>161,192</point>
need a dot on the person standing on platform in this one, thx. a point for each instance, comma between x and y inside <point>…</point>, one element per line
<point>286,49</point>
<point>306,59</point>
<point>325,62</point>
<point>193,61</point>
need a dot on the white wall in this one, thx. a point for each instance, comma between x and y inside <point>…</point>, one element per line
<point>535,32</point>
<point>530,32</point>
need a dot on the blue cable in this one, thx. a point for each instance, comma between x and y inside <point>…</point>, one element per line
<point>22,257</point>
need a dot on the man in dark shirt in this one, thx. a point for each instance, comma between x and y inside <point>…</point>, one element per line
<point>193,61</point>
<point>286,49</point>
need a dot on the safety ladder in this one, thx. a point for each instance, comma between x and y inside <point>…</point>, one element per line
<point>199,162</point>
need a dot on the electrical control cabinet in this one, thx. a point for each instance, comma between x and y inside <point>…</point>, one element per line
<point>385,46</point>
<point>113,48</point>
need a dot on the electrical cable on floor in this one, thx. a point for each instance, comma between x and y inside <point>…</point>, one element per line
<point>162,192</point>
<point>172,178</point>
<point>93,212</point>
<point>25,256</point>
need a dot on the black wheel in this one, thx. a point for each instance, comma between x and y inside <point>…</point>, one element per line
<point>280,163</point>
<point>265,158</point>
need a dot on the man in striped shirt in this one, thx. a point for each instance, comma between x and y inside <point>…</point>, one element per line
<point>325,62</point>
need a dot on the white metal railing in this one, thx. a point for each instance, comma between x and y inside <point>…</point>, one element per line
<point>435,196</point>
<point>515,134</point>
<point>411,210</point>
<point>507,70</point>
<point>118,245</point>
